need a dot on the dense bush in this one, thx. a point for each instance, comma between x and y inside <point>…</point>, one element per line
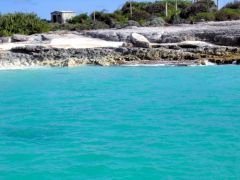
<point>205,16</point>
<point>81,18</point>
<point>119,17</point>
<point>233,5</point>
<point>20,23</point>
<point>156,8</point>
<point>71,27</point>
<point>153,14</point>
<point>83,26</point>
<point>105,19</point>
<point>231,11</point>
<point>140,15</point>
<point>198,7</point>
<point>155,22</point>
<point>101,16</point>
<point>184,4</point>
<point>100,25</point>
<point>228,14</point>
<point>137,6</point>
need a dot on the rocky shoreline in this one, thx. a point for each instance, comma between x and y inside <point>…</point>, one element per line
<point>137,50</point>
<point>31,56</point>
<point>225,33</point>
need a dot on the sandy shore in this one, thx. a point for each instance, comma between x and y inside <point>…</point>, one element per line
<point>82,42</point>
<point>66,41</point>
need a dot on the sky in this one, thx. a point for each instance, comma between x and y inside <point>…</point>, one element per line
<point>43,8</point>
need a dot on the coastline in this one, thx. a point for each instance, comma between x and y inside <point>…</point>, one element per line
<point>142,64</point>
<point>172,46</point>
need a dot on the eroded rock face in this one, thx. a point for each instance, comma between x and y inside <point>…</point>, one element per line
<point>49,37</point>
<point>180,54</point>
<point>132,23</point>
<point>139,41</point>
<point>5,39</point>
<point>20,38</point>
<point>57,57</point>
<point>221,33</point>
<point>228,39</point>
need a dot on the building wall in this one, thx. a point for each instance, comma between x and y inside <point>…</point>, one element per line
<point>62,17</point>
<point>56,18</point>
<point>67,16</point>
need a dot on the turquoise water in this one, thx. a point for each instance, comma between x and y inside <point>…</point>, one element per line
<point>120,123</point>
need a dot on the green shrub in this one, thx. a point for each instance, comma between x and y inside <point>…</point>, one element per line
<point>152,14</point>
<point>205,16</point>
<point>184,4</point>
<point>5,33</point>
<point>137,6</point>
<point>101,16</point>
<point>140,15</point>
<point>228,14</point>
<point>232,5</point>
<point>21,23</point>
<point>100,25</point>
<point>155,22</point>
<point>119,18</point>
<point>198,7</point>
<point>104,19</point>
<point>71,27</point>
<point>81,18</point>
<point>157,8</point>
<point>55,26</point>
<point>174,19</point>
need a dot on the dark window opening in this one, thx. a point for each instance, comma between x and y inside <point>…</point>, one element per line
<point>54,18</point>
<point>59,19</point>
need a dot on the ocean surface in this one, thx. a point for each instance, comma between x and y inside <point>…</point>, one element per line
<point>120,123</point>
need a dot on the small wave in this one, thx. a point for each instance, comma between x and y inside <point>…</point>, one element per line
<point>4,68</point>
<point>207,63</point>
<point>145,65</point>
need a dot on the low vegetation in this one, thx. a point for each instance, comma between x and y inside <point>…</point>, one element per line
<point>233,5</point>
<point>154,14</point>
<point>228,14</point>
<point>230,11</point>
<point>143,14</point>
<point>20,23</point>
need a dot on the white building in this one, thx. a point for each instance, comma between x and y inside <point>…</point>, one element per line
<point>62,16</point>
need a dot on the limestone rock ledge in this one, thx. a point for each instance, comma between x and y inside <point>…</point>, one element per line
<point>225,33</point>
<point>177,54</point>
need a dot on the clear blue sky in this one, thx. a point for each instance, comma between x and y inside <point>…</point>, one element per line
<point>44,7</point>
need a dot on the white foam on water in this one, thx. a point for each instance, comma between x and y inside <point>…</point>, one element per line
<point>144,65</point>
<point>4,68</point>
<point>207,63</point>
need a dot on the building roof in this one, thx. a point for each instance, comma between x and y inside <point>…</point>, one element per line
<point>63,12</point>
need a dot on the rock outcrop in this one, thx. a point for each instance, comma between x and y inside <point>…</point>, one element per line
<point>221,33</point>
<point>5,39</point>
<point>139,41</point>
<point>171,54</point>
<point>20,38</point>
